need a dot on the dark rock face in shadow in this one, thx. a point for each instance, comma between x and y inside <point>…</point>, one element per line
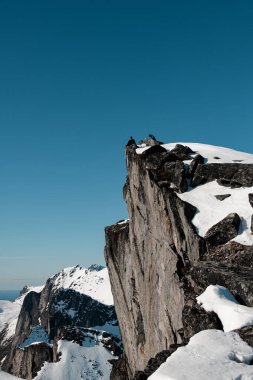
<point>223,231</point>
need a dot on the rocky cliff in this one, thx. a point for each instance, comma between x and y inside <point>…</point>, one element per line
<point>160,259</point>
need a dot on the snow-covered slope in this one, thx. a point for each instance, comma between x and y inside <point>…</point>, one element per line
<point>210,354</point>
<point>6,376</point>
<point>93,283</point>
<point>86,361</point>
<point>232,315</point>
<point>9,312</point>
<point>212,153</point>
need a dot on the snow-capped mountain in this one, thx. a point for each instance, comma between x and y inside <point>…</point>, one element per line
<point>93,282</point>
<point>64,330</point>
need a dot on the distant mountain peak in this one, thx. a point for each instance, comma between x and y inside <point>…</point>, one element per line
<point>96,267</point>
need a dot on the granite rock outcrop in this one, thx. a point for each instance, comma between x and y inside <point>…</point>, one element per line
<point>157,261</point>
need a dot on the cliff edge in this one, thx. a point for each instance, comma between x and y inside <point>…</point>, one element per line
<point>189,226</point>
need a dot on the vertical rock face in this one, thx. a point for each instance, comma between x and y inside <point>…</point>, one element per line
<point>145,257</point>
<point>158,263</point>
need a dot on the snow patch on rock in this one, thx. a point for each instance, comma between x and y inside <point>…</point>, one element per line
<point>211,210</point>
<point>232,315</point>
<point>95,284</point>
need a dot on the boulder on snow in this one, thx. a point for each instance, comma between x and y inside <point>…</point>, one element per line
<point>182,152</point>
<point>153,149</point>
<point>231,175</point>
<point>224,230</point>
<point>222,197</point>
<point>174,173</point>
<point>246,333</point>
<point>194,164</point>
<point>251,199</point>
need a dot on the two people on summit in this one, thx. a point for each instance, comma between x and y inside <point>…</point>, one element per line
<point>147,141</point>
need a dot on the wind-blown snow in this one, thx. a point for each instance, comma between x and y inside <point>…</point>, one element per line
<point>89,362</point>
<point>209,152</point>
<point>211,210</point>
<point>210,354</point>
<point>232,315</point>
<point>9,312</point>
<point>95,284</point>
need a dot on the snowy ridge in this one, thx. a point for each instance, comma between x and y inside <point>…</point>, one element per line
<point>9,312</point>
<point>212,153</point>
<point>93,283</point>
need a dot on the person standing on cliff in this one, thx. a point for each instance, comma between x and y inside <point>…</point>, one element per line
<point>131,142</point>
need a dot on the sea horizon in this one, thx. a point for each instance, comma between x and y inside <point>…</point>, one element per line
<point>9,295</point>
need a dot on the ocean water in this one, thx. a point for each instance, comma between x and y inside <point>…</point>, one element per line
<point>9,295</point>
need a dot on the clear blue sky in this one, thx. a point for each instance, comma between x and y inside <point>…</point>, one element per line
<point>77,78</point>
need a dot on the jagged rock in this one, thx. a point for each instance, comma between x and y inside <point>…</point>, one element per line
<point>152,150</point>
<point>224,230</point>
<point>151,142</point>
<point>182,152</point>
<point>158,264</point>
<point>231,253</point>
<point>194,164</point>
<point>251,226</point>
<point>5,345</point>
<point>96,267</point>
<point>251,199</point>
<point>120,369</point>
<point>28,361</point>
<point>238,279</point>
<point>196,319</point>
<point>222,197</point>
<point>231,175</point>
<point>174,175</point>
<point>159,232</point>
<point>246,333</point>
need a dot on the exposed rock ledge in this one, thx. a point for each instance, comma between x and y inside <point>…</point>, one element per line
<point>158,263</point>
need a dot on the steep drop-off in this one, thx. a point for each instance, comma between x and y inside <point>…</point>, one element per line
<point>157,261</point>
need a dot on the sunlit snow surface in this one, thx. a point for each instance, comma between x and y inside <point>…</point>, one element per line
<point>212,355</point>
<point>211,210</point>
<point>6,376</point>
<point>209,152</point>
<point>89,362</point>
<point>232,315</point>
<point>9,312</point>
<point>95,284</point>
